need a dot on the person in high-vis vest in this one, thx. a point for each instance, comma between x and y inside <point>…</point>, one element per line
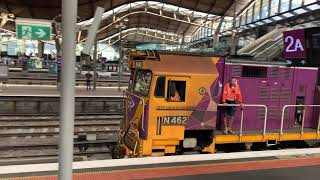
<point>231,95</point>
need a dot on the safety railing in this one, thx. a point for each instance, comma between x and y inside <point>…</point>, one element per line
<point>242,114</point>
<point>143,104</point>
<point>303,117</point>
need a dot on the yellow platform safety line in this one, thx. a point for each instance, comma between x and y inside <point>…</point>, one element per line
<point>224,139</point>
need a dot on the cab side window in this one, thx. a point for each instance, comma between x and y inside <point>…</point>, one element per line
<point>176,91</point>
<point>160,87</point>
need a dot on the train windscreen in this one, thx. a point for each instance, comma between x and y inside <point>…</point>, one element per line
<point>142,82</point>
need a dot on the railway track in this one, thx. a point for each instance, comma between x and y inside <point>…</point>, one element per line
<point>37,137</point>
<point>49,106</point>
<point>32,125</point>
<point>113,79</point>
<point>53,81</point>
<point>34,138</point>
<point>40,78</point>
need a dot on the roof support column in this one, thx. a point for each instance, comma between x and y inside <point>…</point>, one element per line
<point>217,31</point>
<point>40,49</point>
<point>58,46</point>
<point>57,32</point>
<point>95,54</point>
<point>182,41</point>
<point>234,39</point>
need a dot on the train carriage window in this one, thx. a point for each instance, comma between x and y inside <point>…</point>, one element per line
<point>176,91</point>
<point>160,87</point>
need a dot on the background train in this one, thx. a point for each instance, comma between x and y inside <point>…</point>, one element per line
<point>156,124</point>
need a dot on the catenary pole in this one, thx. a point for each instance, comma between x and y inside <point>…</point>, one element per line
<point>67,92</point>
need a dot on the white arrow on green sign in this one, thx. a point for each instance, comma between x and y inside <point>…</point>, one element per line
<point>33,30</point>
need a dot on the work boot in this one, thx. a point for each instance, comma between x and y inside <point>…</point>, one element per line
<point>225,130</point>
<point>230,131</point>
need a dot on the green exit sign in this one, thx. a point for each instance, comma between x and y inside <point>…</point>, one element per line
<point>33,30</point>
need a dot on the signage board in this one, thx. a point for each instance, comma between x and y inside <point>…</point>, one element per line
<point>294,44</point>
<point>29,29</point>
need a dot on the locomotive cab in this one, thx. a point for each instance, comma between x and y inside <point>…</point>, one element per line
<point>170,105</point>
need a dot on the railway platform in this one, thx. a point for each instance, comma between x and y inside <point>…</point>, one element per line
<point>53,91</point>
<point>275,164</point>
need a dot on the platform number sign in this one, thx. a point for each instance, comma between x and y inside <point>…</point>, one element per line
<point>294,44</point>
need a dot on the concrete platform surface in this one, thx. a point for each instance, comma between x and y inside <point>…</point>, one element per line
<point>243,166</point>
<point>296,173</point>
<point>288,169</point>
<point>53,91</point>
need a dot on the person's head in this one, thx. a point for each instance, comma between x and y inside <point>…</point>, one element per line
<point>233,80</point>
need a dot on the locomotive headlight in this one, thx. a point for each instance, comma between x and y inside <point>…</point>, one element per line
<point>190,143</point>
<point>139,64</point>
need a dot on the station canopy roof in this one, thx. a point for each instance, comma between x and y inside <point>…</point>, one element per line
<point>166,18</point>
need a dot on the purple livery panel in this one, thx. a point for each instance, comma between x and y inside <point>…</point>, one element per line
<point>316,111</point>
<point>304,85</point>
<point>204,116</point>
<point>143,124</point>
<point>281,87</point>
<point>132,107</point>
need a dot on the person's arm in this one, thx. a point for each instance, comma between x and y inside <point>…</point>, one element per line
<point>239,97</point>
<point>225,93</point>
<point>177,96</point>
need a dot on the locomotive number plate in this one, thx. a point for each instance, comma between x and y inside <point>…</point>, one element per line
<point>174,120</point>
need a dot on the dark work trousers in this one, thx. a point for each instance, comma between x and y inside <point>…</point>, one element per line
<point>88,84</point>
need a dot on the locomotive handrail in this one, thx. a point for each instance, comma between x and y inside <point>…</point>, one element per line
<point>318,128</point>
<point>142,116</point>
<point>250,105</point>
<point>303,116</point>
<point>124,108</point>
